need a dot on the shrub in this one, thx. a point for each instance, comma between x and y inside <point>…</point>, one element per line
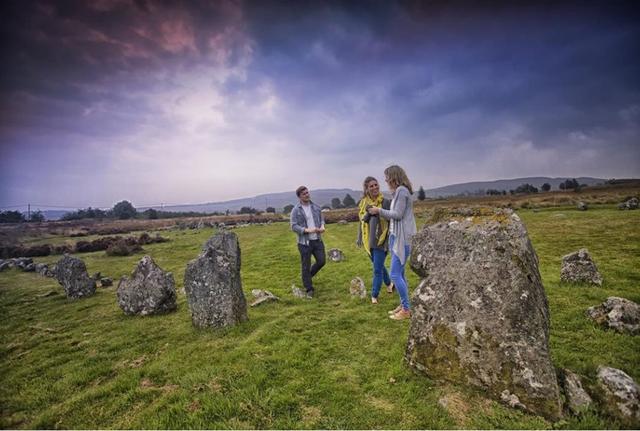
<point>121,248</point>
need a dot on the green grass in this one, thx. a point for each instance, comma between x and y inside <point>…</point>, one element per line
<point>333,362</point>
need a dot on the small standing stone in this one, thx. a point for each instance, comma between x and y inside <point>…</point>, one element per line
<point>72,275</point>
<point>336,255</point>
<point>620,395</point>
<point>262,296</point>
<point>357,288</point>
<point>297,292</point>
<point>213,286</point>
<point>578,400</point>
<point>578,267</point>
<point>618,314</point>
<point>150,290</point>
<point>106,281</point>
<point>582,206</point>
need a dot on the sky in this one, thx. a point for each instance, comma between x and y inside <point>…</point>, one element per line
<point>204,101</point>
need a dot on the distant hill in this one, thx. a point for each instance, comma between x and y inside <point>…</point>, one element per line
<point>510,184</point>
<point>261,202</point>
<point>323,196</point>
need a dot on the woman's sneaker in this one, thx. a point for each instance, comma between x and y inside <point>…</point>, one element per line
<point>395,310</point>
<point>401,315</point>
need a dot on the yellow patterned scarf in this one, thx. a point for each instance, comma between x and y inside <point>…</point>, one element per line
<point>383,224</point>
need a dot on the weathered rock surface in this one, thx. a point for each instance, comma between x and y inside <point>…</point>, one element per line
<point>149,290</point>
<point>629,204</point>
<point>262,296</point>
<point>213,286</point>
<point>619,395</point>
<point>578,267</point>
<point>336,255</point>
<point>578,400</point>
<point>480,313</point>
<point>618,314</point>
<point>72,275</point>
<point>357,288</point>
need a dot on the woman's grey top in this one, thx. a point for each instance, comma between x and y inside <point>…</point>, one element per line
<point>403,223</point>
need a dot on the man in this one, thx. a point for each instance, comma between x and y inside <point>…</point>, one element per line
<point>308,222</point>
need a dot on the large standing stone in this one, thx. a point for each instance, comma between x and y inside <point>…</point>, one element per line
<point>72,275</point>
<point>578,267</point>
<point>618,314</point>
<point>620,395</point>
<point>149,290</point>
<point>213,286</point>
<point>480,313</point>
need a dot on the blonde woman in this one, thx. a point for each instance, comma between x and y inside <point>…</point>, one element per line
<point>373,234</point>
<point>401,230</point>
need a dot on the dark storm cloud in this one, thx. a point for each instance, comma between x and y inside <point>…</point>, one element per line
<point>465,90</point>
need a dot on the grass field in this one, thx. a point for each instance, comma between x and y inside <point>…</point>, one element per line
<point>332,362</point>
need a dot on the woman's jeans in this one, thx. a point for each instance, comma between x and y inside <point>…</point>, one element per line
<point>380,273</point>
<point>397,274</point>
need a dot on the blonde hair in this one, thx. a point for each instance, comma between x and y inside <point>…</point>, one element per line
<point>365,185</point>
<point>398,176</point>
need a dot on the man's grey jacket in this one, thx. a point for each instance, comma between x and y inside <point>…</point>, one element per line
<point>298,221</point>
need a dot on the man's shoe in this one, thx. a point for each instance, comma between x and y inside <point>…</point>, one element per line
<point>395,310</point>
<point>309,294</point>
<point>374,300</point>
<point>390,288</point>
<point>401,315</point>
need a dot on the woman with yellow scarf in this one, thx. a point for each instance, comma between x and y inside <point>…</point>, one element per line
<point>373,234</point>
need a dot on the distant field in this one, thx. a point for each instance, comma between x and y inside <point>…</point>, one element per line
<point>333,362</point>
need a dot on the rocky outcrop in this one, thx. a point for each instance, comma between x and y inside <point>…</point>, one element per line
<point>578,267</point>
<point>619,395</point>
<point>72,275</point>
<point>213,286</point>
<point>618,314</point>
<point>480,313</point>
<point>149,290</point>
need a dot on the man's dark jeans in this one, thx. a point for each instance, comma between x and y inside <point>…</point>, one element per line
<point>315,248</point>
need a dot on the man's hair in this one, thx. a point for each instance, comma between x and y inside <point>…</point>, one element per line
<point>397,175</point>
<point>300,189</point>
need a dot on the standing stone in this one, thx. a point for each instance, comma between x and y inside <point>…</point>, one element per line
<point>480,313</point>
<point>150,290</point>
<point>578,400</point>
<point>620,395</point>
<point>357,288</point>
<point>72,275</point>
<point>578,267</point>
<point>336,255</point>
<point>582,206</point>
<point>618,314</point>
<point>213,286</point>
